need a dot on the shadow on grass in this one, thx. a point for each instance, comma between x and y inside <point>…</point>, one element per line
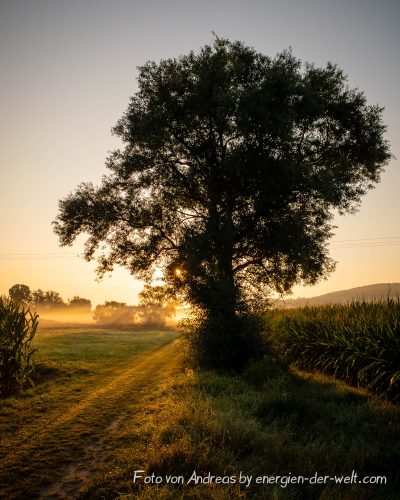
<point>46,372</point>
<point>274,421</point>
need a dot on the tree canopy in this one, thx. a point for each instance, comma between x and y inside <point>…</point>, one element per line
<point>20,293</point>
<point>49,298</point>
<point>233,163</point>
<point>80,302</point>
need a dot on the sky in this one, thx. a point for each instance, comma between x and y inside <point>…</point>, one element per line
<point>69,68</point>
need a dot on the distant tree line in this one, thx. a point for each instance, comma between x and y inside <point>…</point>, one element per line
<point>155,306</point>
<point>23,295</point>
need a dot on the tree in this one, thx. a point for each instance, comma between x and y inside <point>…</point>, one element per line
<point>47,299</point>
<point>158,295</point>
<point>21,294</point>
<point>232,166</point>
<point>113,312</point>
<point>157,304</point>
<point>79,302</point>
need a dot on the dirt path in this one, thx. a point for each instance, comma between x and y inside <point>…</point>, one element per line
<point>80,436</point>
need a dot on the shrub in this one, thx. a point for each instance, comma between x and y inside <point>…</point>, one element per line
<point>17,329</point>
<point>215,343</point>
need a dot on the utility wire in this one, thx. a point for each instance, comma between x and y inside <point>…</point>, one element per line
<point>365,239</point>
<point>37,256</point>
<point>367,242</point>
<point>338,247</point>
<point>351,243</point>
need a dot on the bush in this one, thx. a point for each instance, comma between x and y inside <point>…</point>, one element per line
<point>17,329</point>
<point>216,343</point>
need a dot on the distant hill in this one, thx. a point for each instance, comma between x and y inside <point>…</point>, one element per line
<point>369,293</point>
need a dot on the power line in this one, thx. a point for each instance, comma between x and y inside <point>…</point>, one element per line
<point>368,239</point>
<point>352,243</point>
<point>34,254</point>
<point>367,242</point>
<point>366,245</point>
<point>38,256</point>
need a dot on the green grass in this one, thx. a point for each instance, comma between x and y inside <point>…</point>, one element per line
<point>70,347</point>
<point>84,380</point>
<point>112,402</point>
<point>270,421</point>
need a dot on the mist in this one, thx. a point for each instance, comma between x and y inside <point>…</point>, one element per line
<point>65,316</point>
<point>150,315</point>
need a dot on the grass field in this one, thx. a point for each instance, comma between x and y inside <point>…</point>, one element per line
<point>62,429</point>
<point>108,403</point>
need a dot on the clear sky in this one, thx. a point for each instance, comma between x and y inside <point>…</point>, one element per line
<point>69,68</point>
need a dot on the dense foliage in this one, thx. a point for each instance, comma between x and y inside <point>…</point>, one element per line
<point>232,165</point>
<point>20,293</point>
<point>358,342</point>
<point>17,329</point>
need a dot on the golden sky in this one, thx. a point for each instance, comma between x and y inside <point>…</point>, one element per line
<point>69,68</point>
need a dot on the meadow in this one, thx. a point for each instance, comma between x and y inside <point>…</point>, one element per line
<point>86,381</point>
<point>108,403</point>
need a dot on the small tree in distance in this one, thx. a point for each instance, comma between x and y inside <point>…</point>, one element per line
<point>113,312</point>
<point>21,294</point>
<point>155,307</point>
<point>233,163</point>
<point>80,303</point>
<point>157,304</point>
<point>47,299</point>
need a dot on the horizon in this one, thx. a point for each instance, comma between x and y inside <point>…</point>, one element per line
<point>59,309</point>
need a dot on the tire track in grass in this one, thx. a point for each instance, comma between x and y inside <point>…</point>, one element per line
<point>97,417</point>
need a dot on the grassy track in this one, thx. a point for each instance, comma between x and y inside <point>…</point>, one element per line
<point>56,437</point>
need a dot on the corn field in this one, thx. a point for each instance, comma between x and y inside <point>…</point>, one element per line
<point>358,342</point>
<point>17,329</point>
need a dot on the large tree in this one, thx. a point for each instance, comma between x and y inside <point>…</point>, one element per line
<point>232,165</point>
